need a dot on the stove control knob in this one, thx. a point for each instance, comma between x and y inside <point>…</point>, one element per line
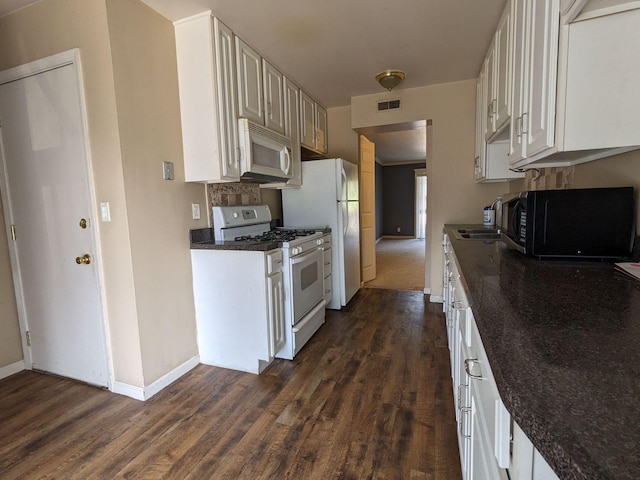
<point>296,250</point>
<point>320,241</point>
<point>234,214</point>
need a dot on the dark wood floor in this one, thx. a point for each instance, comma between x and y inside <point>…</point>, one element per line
<point>368,398</point>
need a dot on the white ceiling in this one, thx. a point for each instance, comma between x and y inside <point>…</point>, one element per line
<point>334,48</point>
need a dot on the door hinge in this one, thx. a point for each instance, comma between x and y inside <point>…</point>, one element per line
<point>28,335</point>
<point>13,233</point>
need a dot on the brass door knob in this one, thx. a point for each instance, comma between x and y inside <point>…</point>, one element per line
<point>83,223</point>
<point>85,259</point>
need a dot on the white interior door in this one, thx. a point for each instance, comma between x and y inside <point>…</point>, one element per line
<point>47,200</point>
<point>367,209</point>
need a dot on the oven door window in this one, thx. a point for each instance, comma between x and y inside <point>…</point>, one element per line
<point>308,283</point>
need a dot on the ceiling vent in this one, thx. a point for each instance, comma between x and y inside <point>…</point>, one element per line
<point>388,105</point>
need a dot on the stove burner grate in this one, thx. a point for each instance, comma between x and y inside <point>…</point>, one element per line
<point>277,235</point>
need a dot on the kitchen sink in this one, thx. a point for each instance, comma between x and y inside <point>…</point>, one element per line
<point>477,234</point>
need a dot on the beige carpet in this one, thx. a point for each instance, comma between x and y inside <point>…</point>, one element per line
<point>399,264</point>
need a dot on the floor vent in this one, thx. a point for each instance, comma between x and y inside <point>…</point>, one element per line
<point>388,105</point>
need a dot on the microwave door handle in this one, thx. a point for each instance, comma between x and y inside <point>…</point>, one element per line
<point>287,161</point>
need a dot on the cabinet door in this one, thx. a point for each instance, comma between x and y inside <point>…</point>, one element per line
<point>225,76</point>
<point>502,78</point>
<point>518,12</point>
<point>249,65</point>
<point>480,147</point>
<point>538,121</point>
<point>321,129</point>
<point>489,73</point>
<point>276,313</point>
<point>307,121</point>
<point>292,129</point>
<point>274,98</point>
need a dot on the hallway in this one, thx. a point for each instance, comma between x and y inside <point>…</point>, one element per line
<point>399,264</point>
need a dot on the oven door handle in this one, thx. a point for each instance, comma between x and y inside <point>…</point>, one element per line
<point>300,325</point>
<point>304,258</point>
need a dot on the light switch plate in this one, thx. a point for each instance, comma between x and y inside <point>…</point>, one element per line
<point>167,170</point>
<point>195,210</point>
<point>105,212</point>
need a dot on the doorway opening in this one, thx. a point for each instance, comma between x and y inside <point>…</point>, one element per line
<point>400,191</point>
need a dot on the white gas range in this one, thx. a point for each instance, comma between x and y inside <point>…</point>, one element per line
<point>240,230</point>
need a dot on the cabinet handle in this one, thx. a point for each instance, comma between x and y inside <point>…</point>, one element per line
<point>467,368</point>
<point>463,431</point>
<point>494,106</point>
<point>457,305</point>
<point>460,387</point>
<point>490,110</point>
<point>524,128</point>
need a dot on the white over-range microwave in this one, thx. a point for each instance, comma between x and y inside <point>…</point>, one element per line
<point>264,155</point>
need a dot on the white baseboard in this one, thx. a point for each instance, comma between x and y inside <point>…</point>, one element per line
<point>427,291</point>
<point>149,391</point>
<point>11,369</point>
<point>127,390</point>
<point>435,298</point>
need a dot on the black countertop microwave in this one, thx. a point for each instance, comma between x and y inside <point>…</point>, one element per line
<point>579,223</point>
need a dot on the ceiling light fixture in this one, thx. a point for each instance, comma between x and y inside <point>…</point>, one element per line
<point>390,79</point>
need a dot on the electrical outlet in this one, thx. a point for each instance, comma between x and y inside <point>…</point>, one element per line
<point>398,229</point>
<point>195,210</point>
<point>167,170</point>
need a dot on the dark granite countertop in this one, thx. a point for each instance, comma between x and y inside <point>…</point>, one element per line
<point>203,239</point>
<point>563,341</point>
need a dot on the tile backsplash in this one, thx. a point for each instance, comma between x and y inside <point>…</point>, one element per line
<point>552,178</point>
<point>233,194</point>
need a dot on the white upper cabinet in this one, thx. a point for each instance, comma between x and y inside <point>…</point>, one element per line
<point>307,121</point>
<point>273,98</point>
<point>497,68</point>
<point>208,109</point>
<point>575,95</point>
<point>292,131</point>
<point>536,25</point>
<point>503,71</point>
<point>321,129</point>
<point>261,96</point>
<point>313,118</point>
<point>250,97</point>
<point>480,144</point>
<point>491,160</point>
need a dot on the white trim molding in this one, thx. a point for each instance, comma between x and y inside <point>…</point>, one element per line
<point>435,298</point>
<point>11,369</point>
<point>145,393</point>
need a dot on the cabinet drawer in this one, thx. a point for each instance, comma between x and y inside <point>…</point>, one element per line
<point>328,294</point>
<point>274,261</point>
<point>493,414</point>
<point>327,262</point>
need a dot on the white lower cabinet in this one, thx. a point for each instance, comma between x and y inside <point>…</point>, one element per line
<point>239,303</point>
<point>492,446</point>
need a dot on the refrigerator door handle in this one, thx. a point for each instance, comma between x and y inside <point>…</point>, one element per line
<point>345,217</point>
<point>344,193</point>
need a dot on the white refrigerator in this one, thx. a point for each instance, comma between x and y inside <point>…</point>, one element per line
<point>329,197</point>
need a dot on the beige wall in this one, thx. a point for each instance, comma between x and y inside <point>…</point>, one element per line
<point>134,124</point>
<point>453,195</point>
<point>343,140</point>
<point>159,211</point>
<point>49,27</point>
